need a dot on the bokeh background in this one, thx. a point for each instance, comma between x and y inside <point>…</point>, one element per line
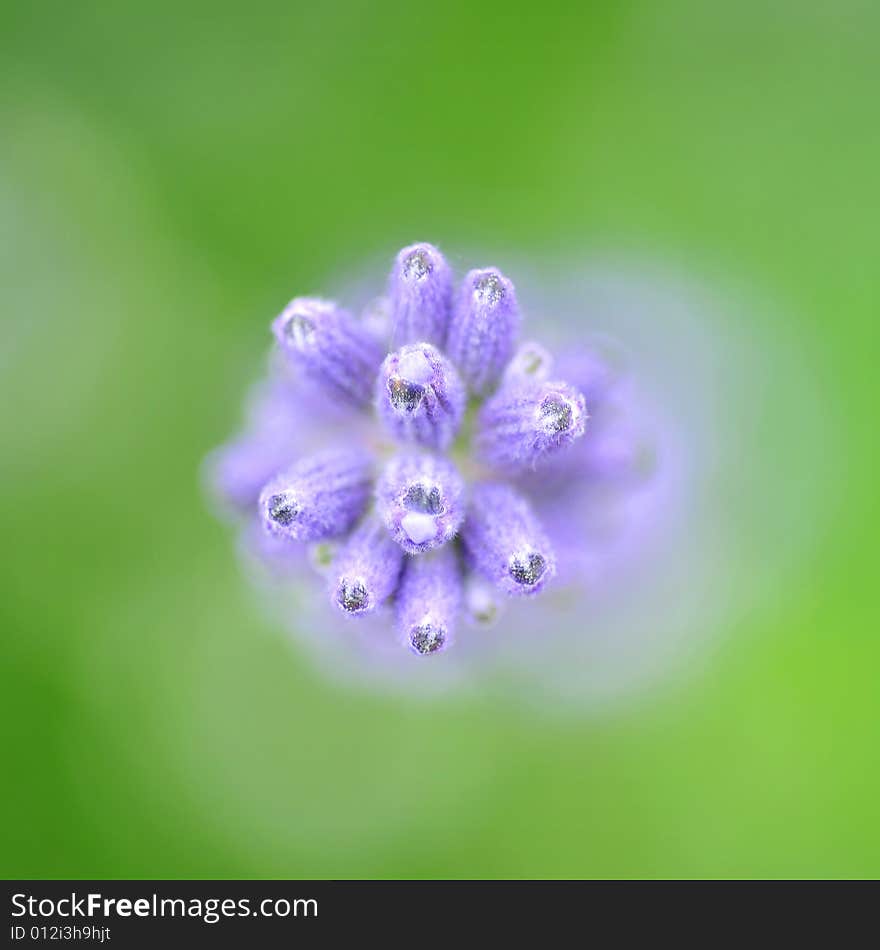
<point>169,175</point>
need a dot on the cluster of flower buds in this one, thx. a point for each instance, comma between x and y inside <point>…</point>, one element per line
<point>423,504</point>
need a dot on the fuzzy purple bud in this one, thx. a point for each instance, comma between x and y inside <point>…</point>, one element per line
<point>484,326</point>
<point>420,292</point>
<point>524,423</point>
<point>420,498</point>
<point>505,541</point>
<point>420,396</point>
<point>367,568</point>
<point>428,601</point>
<point>320,497</point>
<point>339,354</point>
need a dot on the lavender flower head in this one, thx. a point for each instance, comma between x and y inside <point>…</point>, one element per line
<point>427,475</point>
<point>320,497</point>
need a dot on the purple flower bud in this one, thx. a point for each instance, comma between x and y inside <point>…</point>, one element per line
<point>419,396</point>
<point>428,601</point>
<point>320,497</point>
<point>420,499</point>
<point>484,326</point>
<point>420,291</point>
<point>527,422</point>
<point>367,568</point>
<point>337,353</point>
<point>504,540</point>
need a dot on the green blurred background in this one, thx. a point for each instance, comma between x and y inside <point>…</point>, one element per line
<point>169,174</point>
